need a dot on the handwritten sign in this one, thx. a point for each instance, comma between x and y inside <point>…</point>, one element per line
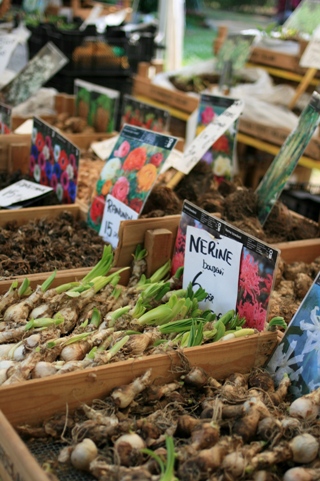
<point>298,353</point>
<point>114,212</point>
<point>311,56</point>
<point>214,265</point>
<point>21,191</point>
<point>7,45</point>
<point>202,143</point>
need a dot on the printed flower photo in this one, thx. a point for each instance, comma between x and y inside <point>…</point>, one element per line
<point>128,175</point>
<point>54,161</point>
<point>5,119</point>
<point>144,115</point>
<point>221,155</point>
<point>298,354</point>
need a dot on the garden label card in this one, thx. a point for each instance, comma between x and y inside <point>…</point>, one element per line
<point>208,136</point>
<point>47,62</point>
<point>7,45</point>
<point>305,18</point>
<point>20,192</point>
<point>257,263</point>
<point>127,177</point>
<point>236,49</point>
<point>54,161</point>
<point>298,354</point>
<point>5,119</point>
<point>311,56</point>
<point>221,155</point>
<point>144,115</point>
<point>212,263</point>
<point>97,105</point>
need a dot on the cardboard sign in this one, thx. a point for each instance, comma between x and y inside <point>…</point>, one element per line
<point>48,61</point>
<point>129,174</point>
<point>214,265</point>
<point>257,264</point>
<point>311,56</point>
<point>144,115</point>
<point>114,212</point>
<point>22,191</point>
<point>7,45</point>
<point>54,161</point>
<point>5,119</point>
<point>202,143</point>
<point>97,105</point>
<point>298,353</point>
<point>221,155</point>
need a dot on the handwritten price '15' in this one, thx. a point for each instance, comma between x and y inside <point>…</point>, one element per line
<point>196,285</point>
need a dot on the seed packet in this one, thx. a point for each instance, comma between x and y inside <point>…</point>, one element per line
<point>298,353</point>
<point>97,105</point>
<point>46,63</point>
<point>54,161</point>
<point>222,154</point>
<point>127,179</point>
<point>144,115</point>
<point>227,262</point>
<point>5,119</point>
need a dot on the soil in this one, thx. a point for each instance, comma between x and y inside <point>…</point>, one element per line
<point>236,204</point>
<point>47,244</point>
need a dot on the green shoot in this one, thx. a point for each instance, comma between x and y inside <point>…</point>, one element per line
<point>24,287</point>
<point>47,283</point>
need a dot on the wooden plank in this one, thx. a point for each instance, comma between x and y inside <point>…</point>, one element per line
<point>19,158</point>
<point>306,250</point>
<point>159,244</point>
<point>16,462</point>
<point>132,233</point>
<point>55,393</point>
<point>22,216</point>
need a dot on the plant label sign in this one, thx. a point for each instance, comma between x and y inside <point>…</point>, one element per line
<point>20,192</point>
<point>97,105</point>
<point>298,353</point>
<point>144,115</point>
<point>208,136</point>
<point>211,262</point>
<point>5,119</point>
<point>127,177</point>
<point>221,154</point>
<point>7,45</point>
<point>46,63</point>
<point>311,56</point>
<point>235,49</point>
<point>54,161</point>
<point>254,277</point>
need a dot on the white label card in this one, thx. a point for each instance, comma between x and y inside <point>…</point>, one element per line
<point>212,264</point>
<point>311,56</point>
<point>21,191</point>
<point>114,212</point>
<point>207,137</point>
<point>7,45</point>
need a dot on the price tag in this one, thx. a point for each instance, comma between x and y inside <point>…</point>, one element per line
<point>214,265</point>
<point>7,45</point>
<point>114,212</point>
<point>22,191</point>
<point>207,137</point>
<point>311,55</point>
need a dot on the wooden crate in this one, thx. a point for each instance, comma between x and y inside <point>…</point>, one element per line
<point>32,401</point>
<point>156,234</point>
<point>302,250</point>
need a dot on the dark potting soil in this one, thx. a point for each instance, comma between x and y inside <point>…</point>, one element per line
<point>43,245</point>
<point>236,204</point>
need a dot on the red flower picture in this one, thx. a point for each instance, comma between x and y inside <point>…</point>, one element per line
<point>121,189</point>
<point>136,159</point>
